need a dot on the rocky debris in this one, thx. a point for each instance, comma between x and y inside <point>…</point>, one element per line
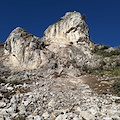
<point>56,99</point>
<point>2,104</point>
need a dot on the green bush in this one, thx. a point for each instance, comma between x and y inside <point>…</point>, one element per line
<point>19,117</point>
<point>2,81</point>
<point>116,72</point>
<point>71,42</point>
<point>60,19</point>
<point>105,47</point>
<point>15,82</point>
<point>116,52</point>
<point>103,53</point>
<point>116,87</point>
<point>84,17</point>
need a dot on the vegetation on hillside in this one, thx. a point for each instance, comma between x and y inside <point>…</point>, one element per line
<point>110,61</point>
<point>116,87</point>
<point>101,51</point>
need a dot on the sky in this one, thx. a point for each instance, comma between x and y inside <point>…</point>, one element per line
<point>103,17</point>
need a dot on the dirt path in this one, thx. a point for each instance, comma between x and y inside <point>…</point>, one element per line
<point>99,86</point>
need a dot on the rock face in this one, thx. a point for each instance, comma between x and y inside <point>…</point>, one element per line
<point>23,49</point>
<point>70,28</point>
<point>65,41</point>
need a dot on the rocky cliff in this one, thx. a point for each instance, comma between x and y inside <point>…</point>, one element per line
<point>23,49</point>
<point>66,40</point>
<point>70,28</point>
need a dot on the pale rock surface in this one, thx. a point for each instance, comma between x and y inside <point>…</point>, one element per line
<point>64,41</point>
<point>31,117</point>
<point>2,104</point>
<point>22,49</point>
<point>70,28</point>
<point>1,96</point>
<point>45,115</point>
<point>22,109</point>
<point>10,88</point>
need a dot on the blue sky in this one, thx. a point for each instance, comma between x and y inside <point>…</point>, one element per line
<point>103,17</point>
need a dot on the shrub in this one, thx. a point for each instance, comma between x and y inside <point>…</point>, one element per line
<point>116,87</point>
<point>105,47</point>
<point>2,81</point>
<point>116,72</point>
<point>60,19</point>
<point>84,17</point>
<point>116,52</point>
<point>118,62</point>
<point>15,82</point>
<point>19,117</point>
<point>71,42</point>
<point>103,53</point>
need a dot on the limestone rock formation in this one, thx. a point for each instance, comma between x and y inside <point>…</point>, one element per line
<point>23,49</point>
<point>71,28</point>
<point>65,41</point>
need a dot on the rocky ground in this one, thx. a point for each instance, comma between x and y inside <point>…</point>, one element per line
<point>64,97</point>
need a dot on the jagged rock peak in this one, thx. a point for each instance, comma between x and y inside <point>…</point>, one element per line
<point>70,15</point>
<point>17,33</point>
<point>69,28</point>
<point>18,30</point>
<point>22,49</point>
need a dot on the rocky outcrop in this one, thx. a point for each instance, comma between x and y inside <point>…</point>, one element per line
<point>71,28</point>
<point>67,40</point>
<point>23,49</point>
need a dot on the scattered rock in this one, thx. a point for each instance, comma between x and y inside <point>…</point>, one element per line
<point>10,88</point>
<point>22,109</point>
<point>2,104</point>
<point>45,115</point>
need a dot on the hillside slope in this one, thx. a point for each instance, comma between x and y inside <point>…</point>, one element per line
<point>61,76</point>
